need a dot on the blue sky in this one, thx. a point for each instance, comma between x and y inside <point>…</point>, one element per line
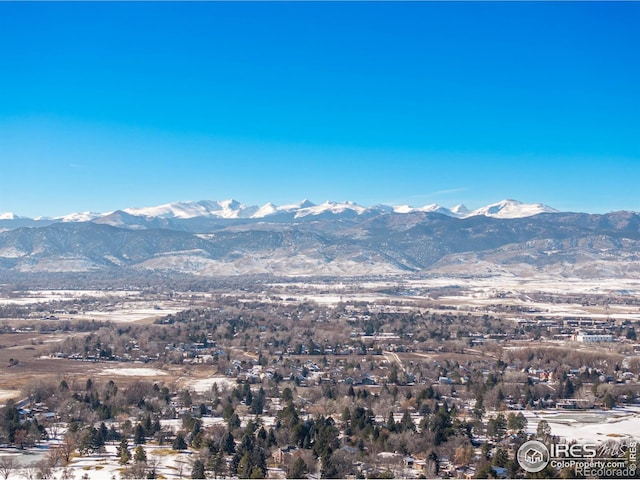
<point>113,105</point>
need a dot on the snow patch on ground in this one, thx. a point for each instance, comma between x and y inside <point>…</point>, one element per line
<point>129,314</point>
<point>133,372</point>
<point>205,385</point>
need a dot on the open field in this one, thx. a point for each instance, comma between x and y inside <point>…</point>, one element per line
<point>25,360</point>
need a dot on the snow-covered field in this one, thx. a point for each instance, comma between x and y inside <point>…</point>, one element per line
<point>484,286</point>
<point>126,315</point>
<point>205,385</point>
<point>133,372</point>
<point>592,426</point>
<point>170,464</point>
<point>104,466</point>
<point>471,293</point>
<point>44,296</point>
<point>127,306</point>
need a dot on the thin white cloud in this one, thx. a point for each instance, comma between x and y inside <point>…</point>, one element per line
<point>446,192</point>
<point>429,197</point>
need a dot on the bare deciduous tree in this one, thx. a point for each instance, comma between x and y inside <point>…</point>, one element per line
<point>30,471</point>
<point>8,464</point>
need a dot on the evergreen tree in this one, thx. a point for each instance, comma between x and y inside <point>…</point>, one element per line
<point>147,425</point>
<point>234,421</point>
<point>113,435</point>
<point>298,469</point>
<point>198,469</point>
<point>287,395</point>
<point>501,457</point>
<point>179,442</point>
<point>516,422</point>
<point>124,455</point>
<point>197,440</point>
<point>257,404</point>
<point>138,435</point>
<point>10,421</point>
<point>196,428</point>
<point>227,443</point>
<point>90,440</point>
<point>244,466</point>
<point>258,463</point>
<point>497,427</point>
<point>271,439</point>
<point>568,390</point>
<point>246,443</point>
<point>391,423</point>
<point>440,424</point>
<point>227,411</point>
<point>104,433</point>
<point>406,423</point>
<point>346,415</point>
<point>608,401</point>
<point>217,464</point>
<point>140,456</point>
<point>256,472</point>
<point>326,437</point>
<point>485,471</point>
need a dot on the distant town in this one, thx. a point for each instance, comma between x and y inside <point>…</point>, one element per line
<point>418,378</point>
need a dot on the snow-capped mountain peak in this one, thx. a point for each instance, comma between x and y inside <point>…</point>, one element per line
<point>8,216</point>
<point>460,210</point>
<point>306,203</point>
<point>171,210</point>
<point>434,207</point>
<point>230,204</point>
<point>512,209</point>
<point>331,207</point>
<point>272,209</point>
<point>265,210</point>
<point>205,208</point>
<point>81,216</point>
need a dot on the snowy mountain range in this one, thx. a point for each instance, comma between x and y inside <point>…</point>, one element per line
<point>232,209</point>
<point>330,239</point>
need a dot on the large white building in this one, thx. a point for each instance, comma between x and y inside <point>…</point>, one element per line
<point>588,338</point>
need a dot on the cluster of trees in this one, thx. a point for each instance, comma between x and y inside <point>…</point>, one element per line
<point>22,434</point>
<point>135,415</point>
<point>231,325</point>
<point>334,444</point>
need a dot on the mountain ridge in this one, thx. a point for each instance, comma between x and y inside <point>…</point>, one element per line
<point>232,209</point>
<point>376,242</point>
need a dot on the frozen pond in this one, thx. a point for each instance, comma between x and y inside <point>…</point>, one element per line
<point>593,425</point>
